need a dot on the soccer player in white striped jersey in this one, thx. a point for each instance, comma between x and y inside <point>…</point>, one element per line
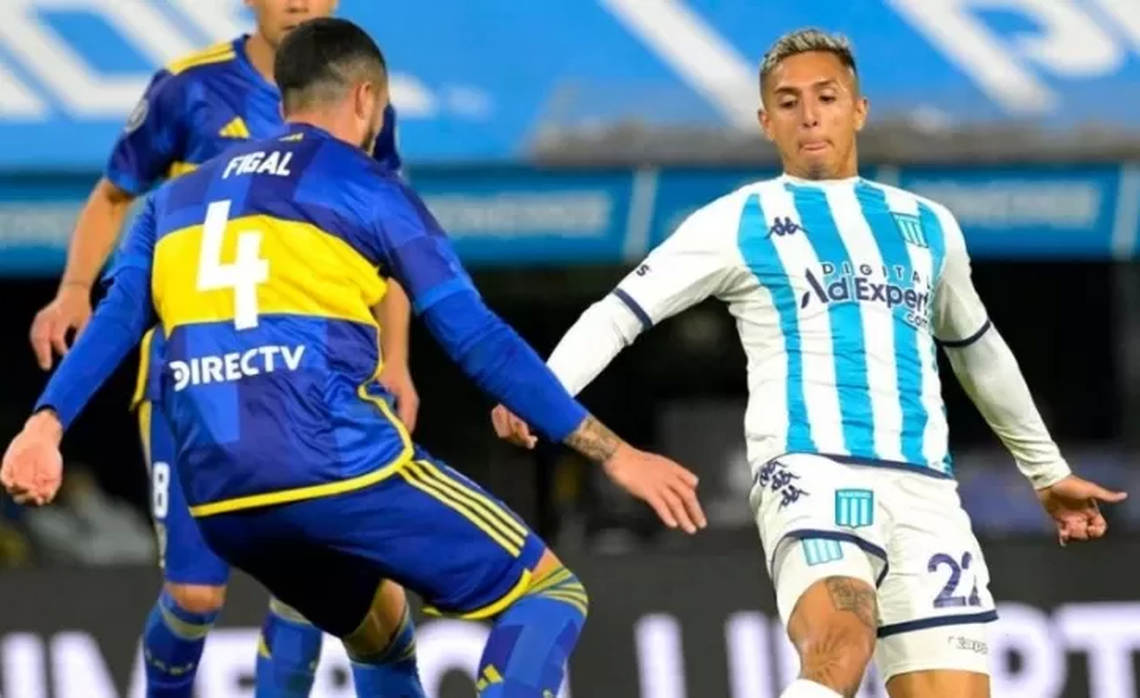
<point>841,288</point>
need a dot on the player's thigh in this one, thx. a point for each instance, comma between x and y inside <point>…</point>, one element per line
<point>939,684</point>
<point>425,527</point>
<point>285,549</point>
<point>184,556</point>
<point>935,604</point>
<point>444,537</point>
<point>817,519</point>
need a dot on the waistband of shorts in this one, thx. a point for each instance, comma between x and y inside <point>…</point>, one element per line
<point>857,461</point>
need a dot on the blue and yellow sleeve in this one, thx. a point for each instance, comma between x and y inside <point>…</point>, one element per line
<point>152,138</point>
<point>120,320</point>
<point>415,251</point>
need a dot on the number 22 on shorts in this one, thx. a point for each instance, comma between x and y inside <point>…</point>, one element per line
<point>949,597</point>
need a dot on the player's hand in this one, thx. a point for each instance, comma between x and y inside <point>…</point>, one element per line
<point>659,482</point>
<point>1073,504</point>
<point>512,429</point>
<point>398,381</point>
<point>71,309</point>
<point>33,467</point>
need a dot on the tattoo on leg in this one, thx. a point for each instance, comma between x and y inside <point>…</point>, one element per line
<point>854,596</point>
<point>828,662</point>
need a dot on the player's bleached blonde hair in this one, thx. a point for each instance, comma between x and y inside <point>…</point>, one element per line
<point>808,41</point>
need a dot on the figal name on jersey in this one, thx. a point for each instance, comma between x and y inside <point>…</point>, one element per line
<point>235,366</point>
<point>275,163</point>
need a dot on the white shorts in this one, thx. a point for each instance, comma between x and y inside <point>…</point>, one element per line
<point>902,531</point>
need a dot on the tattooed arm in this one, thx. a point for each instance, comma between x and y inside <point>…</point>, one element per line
<point>594,440</point>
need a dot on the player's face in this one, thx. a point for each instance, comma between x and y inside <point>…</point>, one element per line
<point>812,111</point>
<point>276,18</point>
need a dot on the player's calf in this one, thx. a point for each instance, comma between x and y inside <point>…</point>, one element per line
<point>287,653</point>
<point>383,648</point>
<point>532,640</point>
<point>833,629</point>
<point>174,636</point>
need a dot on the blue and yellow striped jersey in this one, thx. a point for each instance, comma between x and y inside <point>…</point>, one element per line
<point>199,106</point>
<point>194,110</point>
<point>264,267</point>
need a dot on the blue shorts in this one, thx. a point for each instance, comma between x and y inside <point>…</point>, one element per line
<point>183,554</point>
<point>426,527</point>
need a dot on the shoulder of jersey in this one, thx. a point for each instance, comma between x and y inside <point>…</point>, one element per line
<point>213,56</point>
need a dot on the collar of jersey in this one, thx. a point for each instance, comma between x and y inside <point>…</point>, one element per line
<point>307,129</point>
<point>247,66</point>
<point>798,181</point>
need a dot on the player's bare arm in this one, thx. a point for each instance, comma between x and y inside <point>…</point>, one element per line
<point>659,482</point>
<point>672,495</point>
<point>96,230</point>
<point>594,440</point>
<point>395,316</point>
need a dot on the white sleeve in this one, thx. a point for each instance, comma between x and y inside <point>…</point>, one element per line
<point>593,341</point>
<point>959,314</point>
<point>987,368</point>
<point>687,268</point>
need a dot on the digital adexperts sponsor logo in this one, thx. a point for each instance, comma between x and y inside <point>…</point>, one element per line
<point>895,288</point>
<point>235,366</point>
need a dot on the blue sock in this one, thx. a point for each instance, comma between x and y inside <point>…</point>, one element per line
<point>172,645</point>
<point>526,654</point>
<point>287,654</point>
<point>393,672</point>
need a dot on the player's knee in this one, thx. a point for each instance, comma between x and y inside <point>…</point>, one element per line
<point>833,629</point>
<point>582,593</point>
<point>554,580</point>
<point>197,598</point>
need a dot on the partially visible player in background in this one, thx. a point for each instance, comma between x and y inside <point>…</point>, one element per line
<point>193,110</point>
<point>842,288</point>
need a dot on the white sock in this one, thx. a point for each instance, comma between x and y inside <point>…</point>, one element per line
<point>802,688</point>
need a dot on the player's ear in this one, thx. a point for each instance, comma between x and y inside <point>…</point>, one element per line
<point>862,107</point>
<point>363,100</point>
<point>765,122</point>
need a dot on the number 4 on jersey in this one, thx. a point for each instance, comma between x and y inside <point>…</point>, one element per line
<point>243,275</point>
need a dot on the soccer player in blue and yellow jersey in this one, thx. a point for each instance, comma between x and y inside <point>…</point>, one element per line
<point>289,455</point>
<point>193,110</point>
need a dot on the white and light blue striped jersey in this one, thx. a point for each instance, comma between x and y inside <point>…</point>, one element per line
<point>839,289</point>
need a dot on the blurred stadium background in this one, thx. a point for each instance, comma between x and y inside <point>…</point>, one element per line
<point>557,142</point>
